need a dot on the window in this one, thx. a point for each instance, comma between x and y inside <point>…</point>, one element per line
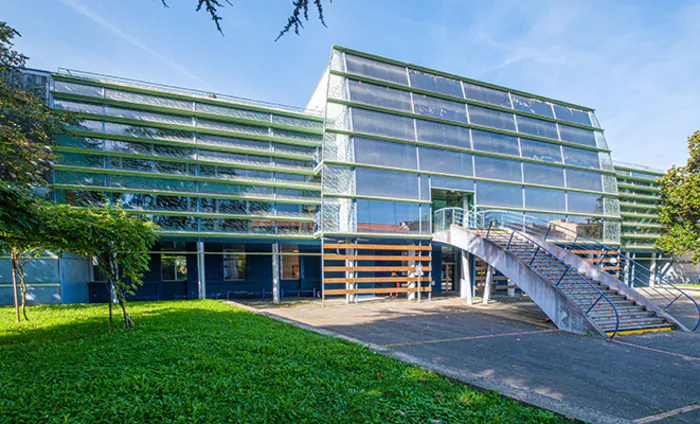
<point>532,106</point>
<point>370,122</point>
<point>379,182</point>
<point>536,127</point>
<point>544,199</point>
<point>580,157</point>
<point>491,118</point>
<point>449,135</point>
<point>234,264</point>
<point>540,150</point>
<point>438,108</point>
<point>376,152</point>
<point>436,83</point>
<point>543,174</point>
<point>496,143</point>
<point>445,161</point>
<point>380,96</point>
<point>572,115</point>
<point>486,95</point>
<point>378,216</point>
<point>173,268</point>
<point>577,135</point>
<point>377,70</point>
<point>583,180</point>
<point>497,168</point>
<point>289,263</point>
<point>493,194</point>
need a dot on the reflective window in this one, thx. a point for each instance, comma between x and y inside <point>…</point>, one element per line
<point>497,168</point>
<point>377,70</point>
<point>536,173</point>
<point>493,194</point>
<point>370,122</point>
<point>79,89</point>
<point>449,135</point>
<point>232,112</point>
<point>229,127</point>
<point>537,127</point>
<point>217,140</point>
<point>376,95</point>
<point>577,135</point>
<point>79,107</point>
<point>584,180</point>
<point>491,118</point>
<point>173,268</point>
<point>296,135</point>
<point>545,199</point>
<point>566,113</point>
<point>438,108</point>
<point>580,157</point>
<point>540,150</point>
<point>445,161</point>
<point>297,122</point>
<point>377,216</point>
<point>147,116</point>
<point>585,203</point>
<point>378,182</point>
<point>435,83</point>
<point>589,227</point>
<point>376,152</point>
<point>235,263</point>
<point>451,183</point>
<point>487,95</point>
<point>289,264</point>
<point>535,106</point>
<point>147,99</point>
<point>496,143</point>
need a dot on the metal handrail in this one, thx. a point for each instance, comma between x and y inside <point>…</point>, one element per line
<point>656,290</point>
<point>478,220</point>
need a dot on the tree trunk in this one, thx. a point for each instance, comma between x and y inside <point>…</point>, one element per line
<point>13,259</point>
<point>128,323</point>
<point>23,288</point>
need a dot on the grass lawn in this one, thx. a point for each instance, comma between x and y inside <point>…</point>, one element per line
<point>205,361</point>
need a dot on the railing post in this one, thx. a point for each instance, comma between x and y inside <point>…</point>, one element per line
<point>489,230</point>
<point>549,228</point>
<point>510,239</point>
<point>535,255</point>
<point>562,277</point>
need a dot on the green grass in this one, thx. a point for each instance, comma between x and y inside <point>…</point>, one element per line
<point>204,361</point>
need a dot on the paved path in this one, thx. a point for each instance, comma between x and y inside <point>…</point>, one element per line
<point>513,348</point>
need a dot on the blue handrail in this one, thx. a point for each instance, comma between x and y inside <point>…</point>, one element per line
<point>656,281</point>
<point>458,218</point>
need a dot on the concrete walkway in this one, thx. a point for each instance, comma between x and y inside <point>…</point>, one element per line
<point>511,347</point>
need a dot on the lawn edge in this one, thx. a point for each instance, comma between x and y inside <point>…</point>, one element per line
<point>523,397</point>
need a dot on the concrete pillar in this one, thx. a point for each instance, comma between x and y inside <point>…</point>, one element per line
<point>653,268</point>
<point>489,285</point>
<point>511,291</point>
<point>466,282</point>
<point>201,275</point>
<point>276,298</point>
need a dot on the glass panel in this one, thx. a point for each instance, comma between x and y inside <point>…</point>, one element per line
<point>611,206</point>
<point>338,180</point>
<point>577,135</point>
<point>540,150</point>
<point>544,199</point>
<point>78,159</point>
<point>375,216</point>
<point>296,135</point>
<point>435,83</point>
<point>147,116</point>
<point>583,180</point>
<point>451,183</point>
<point>491,118</point>
<point>145,99</point>
<point>538,107</point>
<point>589,227</point>
<point>338,215</point>
<point>600,140</point>
<point>497,168</point>
<point>377,182</point>
<point>235,264</point>
<point>385,153</point>
<point>424,184</point>
<point>486,95</point>
<point>289,264</point>
<point>377,70</point>
<point>79,107</point>
<point>376,95</point>
<point>580,157</point>
<point>494,194</point>
<point>605,161</point>
<point>232,112</point>
<point>609,184</point>
<point>82,142</point>
<point>445,161</point>
<point>535,173</point>
<point>585,203</point>
<point>337,116</point>
<point>449,135</point>
<point>496,143</point>
<point>566,113</point>
<point>229,127</point>
<point>215,140</point>
<point>173,267</point>
<point>297,122</point>
<point>337,87</point>
<point>79,178</point>
<point>611,231</point>
<point>536,127</point>
<point>79,89</point>
<point>438,108</point>
<point>370,122</point>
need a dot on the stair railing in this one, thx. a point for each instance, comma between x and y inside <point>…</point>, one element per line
<point>648,283</point>
<point>446,217</point>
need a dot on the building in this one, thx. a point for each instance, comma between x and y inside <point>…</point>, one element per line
<point>252,197</point>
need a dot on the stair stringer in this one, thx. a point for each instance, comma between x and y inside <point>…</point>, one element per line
<point>592,272</point>
<point>563,312</point>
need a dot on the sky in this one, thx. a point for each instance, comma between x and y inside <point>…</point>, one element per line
<point>636,62</point>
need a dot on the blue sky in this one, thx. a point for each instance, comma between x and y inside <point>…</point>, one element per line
<point>635,61</point>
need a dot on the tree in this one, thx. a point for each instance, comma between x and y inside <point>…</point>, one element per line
<point>27,123</point>
<point>119,241</point>
<point>295,22</point>
<point>680,208</point>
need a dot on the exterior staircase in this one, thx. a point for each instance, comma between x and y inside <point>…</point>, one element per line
<point>590,295</point>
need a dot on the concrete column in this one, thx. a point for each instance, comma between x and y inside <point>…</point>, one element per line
<point>201,275</point>
<point>489,285</point>
<point>276,298</point>
<point>466,283</point>
<point>653,268</point>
